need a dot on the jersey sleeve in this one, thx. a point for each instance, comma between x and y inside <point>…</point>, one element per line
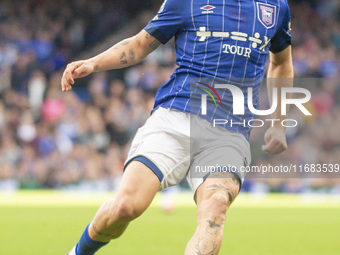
<point>167,22</point>
<point>282,39</point>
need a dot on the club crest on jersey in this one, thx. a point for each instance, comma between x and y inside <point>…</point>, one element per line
<point>207,9</point>
<point>266,14</point>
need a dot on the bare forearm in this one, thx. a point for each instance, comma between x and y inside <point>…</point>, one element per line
<point>280,75</point>
<point>125,53</point>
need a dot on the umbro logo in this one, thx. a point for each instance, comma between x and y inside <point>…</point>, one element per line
<point>207,9</point>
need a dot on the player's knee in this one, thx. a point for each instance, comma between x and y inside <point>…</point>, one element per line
<point>218,202</point>
<point>214,207</point>
<point>126,209</point>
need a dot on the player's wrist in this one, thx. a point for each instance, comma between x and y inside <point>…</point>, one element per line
<point>93,65</point>
<point>278,126</point>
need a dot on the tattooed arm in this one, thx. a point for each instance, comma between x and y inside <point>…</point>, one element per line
<point>125,53</point>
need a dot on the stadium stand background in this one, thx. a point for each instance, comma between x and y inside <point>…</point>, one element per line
<point>79,140</point>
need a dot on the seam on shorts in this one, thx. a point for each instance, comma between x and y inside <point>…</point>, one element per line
<point>174,168</point>
<point>149,164</point>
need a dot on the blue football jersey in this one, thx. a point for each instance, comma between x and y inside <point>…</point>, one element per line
<point>226,40</point>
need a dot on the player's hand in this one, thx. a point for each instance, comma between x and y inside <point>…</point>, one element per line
<point>275,139</point>
<point>75,70</point>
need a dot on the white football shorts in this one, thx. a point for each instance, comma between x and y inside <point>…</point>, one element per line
<point>177,145</point>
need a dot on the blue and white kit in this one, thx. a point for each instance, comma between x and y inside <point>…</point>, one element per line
<point>220,39</point>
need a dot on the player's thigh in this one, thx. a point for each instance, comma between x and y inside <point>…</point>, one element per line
<point>163,144</point>
<point>138,187</point>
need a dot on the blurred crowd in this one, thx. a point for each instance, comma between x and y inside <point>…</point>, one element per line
<point>80,140</point>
